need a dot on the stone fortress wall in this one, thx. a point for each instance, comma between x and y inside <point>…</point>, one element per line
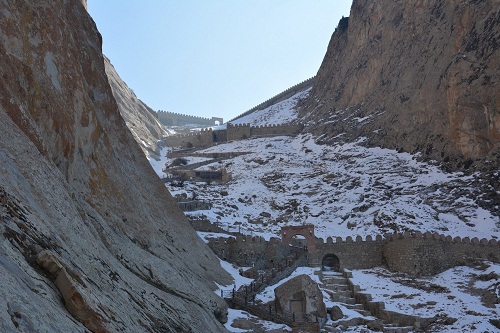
<point>414,253</point>
<point>280,97</point>
<point>177,119</point>
<point>208,137</point>
<point>248,251</point>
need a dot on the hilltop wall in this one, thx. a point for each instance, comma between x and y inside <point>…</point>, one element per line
<point>177,119</point>
<point>352,253</point>
<point>280,97</point>
<point>248,251</point>
<point>203,138</point>
<point>208,137</point>
<point>413,253</point>
<point>429,254</point>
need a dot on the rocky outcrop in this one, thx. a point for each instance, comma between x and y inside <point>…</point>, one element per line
<point>301,296</point>
<point>142,121</point>
<point>73,182</point>
<point>420,76</point>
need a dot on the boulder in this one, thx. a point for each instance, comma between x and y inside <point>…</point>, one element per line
<point>300,295</point>
<point>336,313</point>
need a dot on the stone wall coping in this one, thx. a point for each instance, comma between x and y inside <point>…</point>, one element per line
<point>275,97</point>
<point>406,235</point>
<point>209,129</point>
<point>245,239</point>
<point>185,115</point>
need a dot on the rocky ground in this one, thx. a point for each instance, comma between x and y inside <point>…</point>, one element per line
<point>344,190</point>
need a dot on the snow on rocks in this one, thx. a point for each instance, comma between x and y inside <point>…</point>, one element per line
<point>460,293</point>
<point>344,190</point>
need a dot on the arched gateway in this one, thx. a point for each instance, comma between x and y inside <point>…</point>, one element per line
<point>287,233</point>
<point>330,262</point>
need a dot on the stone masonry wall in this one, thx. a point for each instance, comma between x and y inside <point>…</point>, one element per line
<point>203,138</point>
<point>238,132</point>
<point>286,129</point>
<point>414,253</point>
<point>352,254</point>
<point>177,119</point>
<point>429,254</point>
<point>208,137</point>
<point>247,251</point>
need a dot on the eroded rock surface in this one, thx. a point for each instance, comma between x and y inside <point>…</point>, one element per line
<point>74,182</point>
<point>420,76</point>
<point>302,296</point>
<point>140,119</point>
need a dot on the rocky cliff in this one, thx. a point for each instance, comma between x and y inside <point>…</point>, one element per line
<point>140,119</point>
<point>420,76</point>
<point>90,239</point>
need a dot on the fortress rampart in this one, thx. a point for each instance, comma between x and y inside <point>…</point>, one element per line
<point>248,251</point>
<point>176,119</point>
<point>414,253</point>
<point>280,97</point>
<point>208,137</point>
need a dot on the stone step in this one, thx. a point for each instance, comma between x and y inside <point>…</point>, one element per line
<point>398,329</point>
<point>356,306</point>
<point>363,312</point>
<point>336,287</point>
<point>343,299</point>
<point>346,293</point>
<point>334,280</point>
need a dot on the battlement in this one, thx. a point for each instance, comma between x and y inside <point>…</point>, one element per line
<point>191,134</point>
<point>445,238</point>
<point>245,239</point>
<point>279,97</point>
<point>208,136</point>
<point>411,235</point>
<point>168,118</point>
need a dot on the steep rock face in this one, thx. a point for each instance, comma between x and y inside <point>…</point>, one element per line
<point>75,187</point>
<point>140,119</point>
<point>421,76</point>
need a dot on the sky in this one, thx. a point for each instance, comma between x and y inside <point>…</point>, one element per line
<point>215,58</point>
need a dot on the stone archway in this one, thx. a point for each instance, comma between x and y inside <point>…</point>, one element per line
<point>287,233</point>
<point>330,262</point>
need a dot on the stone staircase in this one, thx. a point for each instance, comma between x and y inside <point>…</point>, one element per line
<point>337,286</point>
<point>341,291</point>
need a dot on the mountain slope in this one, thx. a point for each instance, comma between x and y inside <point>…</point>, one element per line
<point>85,222</point>
<point>140,119</point>
<point>419,76</point>
<point>343,189</point>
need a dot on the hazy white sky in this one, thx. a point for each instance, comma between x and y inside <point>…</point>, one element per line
<point>215,57</point>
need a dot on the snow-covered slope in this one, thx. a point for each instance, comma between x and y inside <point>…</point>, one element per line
<point>343,189</point>
<point>280,113</point>
<point>347,189</point>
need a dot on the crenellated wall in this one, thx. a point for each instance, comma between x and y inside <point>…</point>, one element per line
<point>414,253</point>
<point>208,137</point>
<point>352,253</point>
<point>203,138</point>
<point>280,97</point>
<point>177,119</point>
<point>248,251</point>
<point>429,254</point>
<point>238,132</point>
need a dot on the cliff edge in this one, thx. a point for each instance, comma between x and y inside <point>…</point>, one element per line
<point>90,238</point>
<point>418,76</point>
